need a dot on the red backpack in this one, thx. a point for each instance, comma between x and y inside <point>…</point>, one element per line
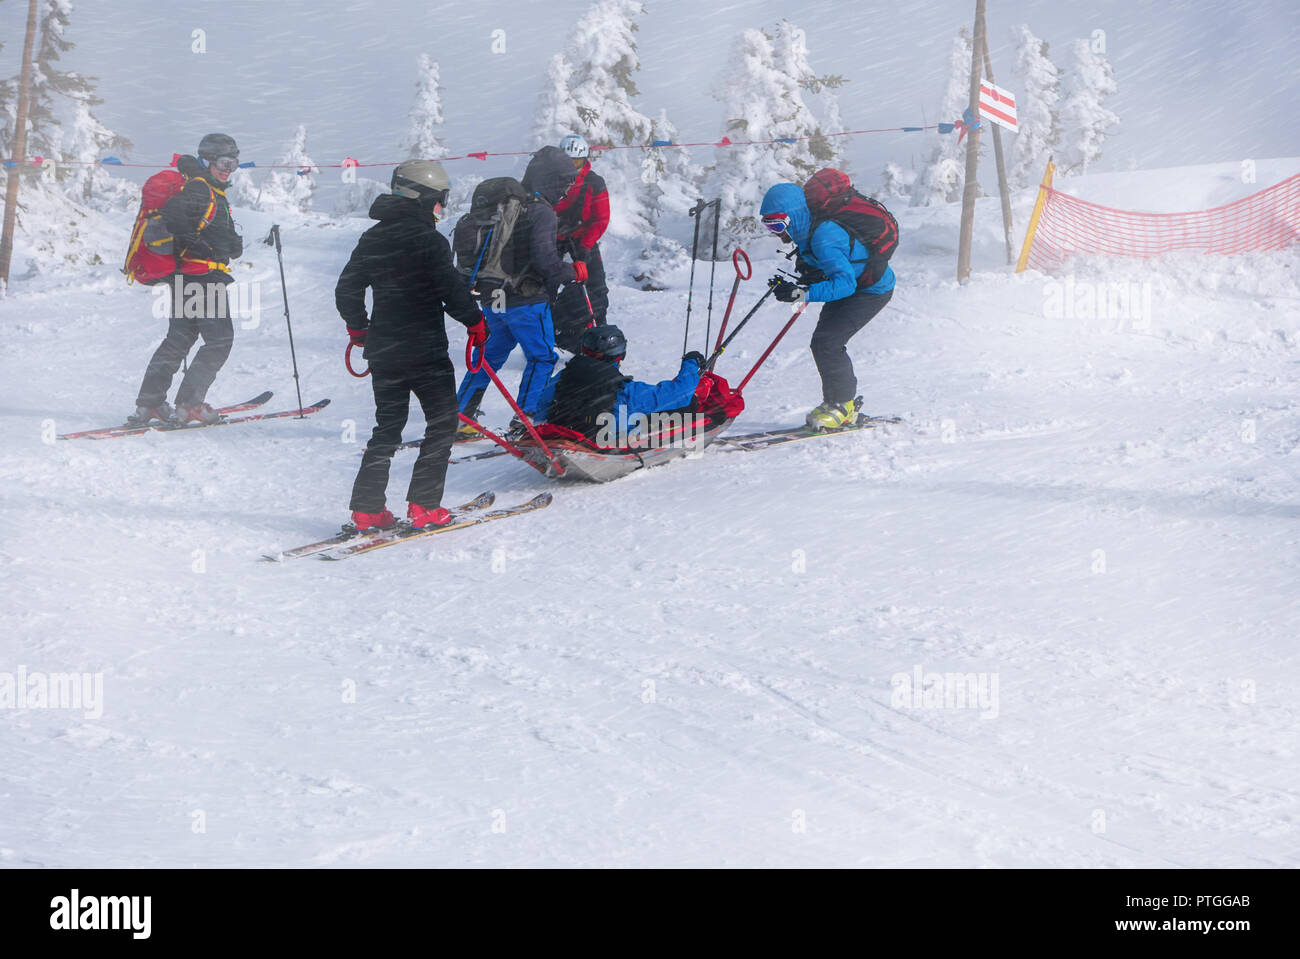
<point>830,196</point>
<point>150,258</point>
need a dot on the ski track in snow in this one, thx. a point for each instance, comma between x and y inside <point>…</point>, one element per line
<point>652,677</point>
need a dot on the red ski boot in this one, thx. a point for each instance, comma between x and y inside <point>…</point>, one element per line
<point>423,518</point>
<point>381,520</point>
<point>202,414</point>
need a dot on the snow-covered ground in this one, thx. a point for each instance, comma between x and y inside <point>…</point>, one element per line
<point>1099,517</point>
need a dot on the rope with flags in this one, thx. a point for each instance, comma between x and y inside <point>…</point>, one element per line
<point>349,162</point>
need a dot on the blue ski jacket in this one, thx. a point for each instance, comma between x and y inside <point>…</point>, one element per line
<point>830,250</point>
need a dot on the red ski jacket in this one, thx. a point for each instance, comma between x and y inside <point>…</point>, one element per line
<point>584,210</point>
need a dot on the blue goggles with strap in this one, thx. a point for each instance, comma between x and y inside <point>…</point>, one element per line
<point>777,222</point>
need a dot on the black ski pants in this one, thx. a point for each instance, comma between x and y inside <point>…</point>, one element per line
<point>434,385</point>
<point>204,295</point>
<point>597,288</point>
<point>839,321</point>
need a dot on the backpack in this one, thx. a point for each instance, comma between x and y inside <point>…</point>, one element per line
<point>150,257</point>
<point>830,196</point>
<point>484,239</point>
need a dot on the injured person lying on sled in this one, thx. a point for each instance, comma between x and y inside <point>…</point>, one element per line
<point>605,424</point>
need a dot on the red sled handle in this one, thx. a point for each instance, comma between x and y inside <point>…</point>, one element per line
<point>735,261</point>
<point>347,361</point>
<point>736,257</point>
<point>469,358</point>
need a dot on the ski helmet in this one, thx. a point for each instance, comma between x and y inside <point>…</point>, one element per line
<point>575,146</point>
<point>604,343</point>
<point>424,180</point>
<point>218,145</point>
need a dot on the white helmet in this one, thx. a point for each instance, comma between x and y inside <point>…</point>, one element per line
<point>422,180</point>
<point>575,146</point>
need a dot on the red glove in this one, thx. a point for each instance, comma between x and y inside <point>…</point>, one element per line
<point>579,272</point>
<point>478,334</point>
<point>357,337</point>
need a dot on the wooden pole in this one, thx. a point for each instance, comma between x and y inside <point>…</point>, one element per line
<point>19,147</point>
<point>972,151</point>
<point>1002,167</point>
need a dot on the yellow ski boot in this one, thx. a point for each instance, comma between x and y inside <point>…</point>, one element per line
<point>834,416</point>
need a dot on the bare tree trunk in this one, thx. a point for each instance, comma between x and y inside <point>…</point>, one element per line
<point>972,151</point>
<point>20,146</point>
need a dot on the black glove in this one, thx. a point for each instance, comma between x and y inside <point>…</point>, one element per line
<point>236,248</point>
<point>695,355</point>
<point>577,252</point>
<point>785,290</point>
<point>808,275</point>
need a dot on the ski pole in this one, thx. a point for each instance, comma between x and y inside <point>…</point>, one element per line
<point>273,239</point>
<point>768,352</point>
<point>713,268</point>
<point>736,257</point>
<point>739,326</point>
<point>695,249</point>
<point>523,417</point>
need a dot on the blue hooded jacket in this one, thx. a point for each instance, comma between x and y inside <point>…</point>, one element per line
<point>831,250</point>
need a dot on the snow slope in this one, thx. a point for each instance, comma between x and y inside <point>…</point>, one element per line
<point>692,665</point>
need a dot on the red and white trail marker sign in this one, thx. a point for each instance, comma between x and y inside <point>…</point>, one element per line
<point>998,105</point>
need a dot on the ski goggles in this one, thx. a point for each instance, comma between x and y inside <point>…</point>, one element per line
<point>224,164</point>
<point>777,222</point>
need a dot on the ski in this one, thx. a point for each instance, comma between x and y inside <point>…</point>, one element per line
<point>765,438</point>
<point>109,432</point>
<point>349,535</point>
<point>481,455</point>
<point>405,532</point>
<point>460,438</point>
<point>252,418</point>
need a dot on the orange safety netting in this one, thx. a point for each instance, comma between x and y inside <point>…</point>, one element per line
<point>1068,226</point>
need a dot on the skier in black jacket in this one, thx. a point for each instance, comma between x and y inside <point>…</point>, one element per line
<point>526,319</point>
<point>407,264</point>
<point>205,241</point>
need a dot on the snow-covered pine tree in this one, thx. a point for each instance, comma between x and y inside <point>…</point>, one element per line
<point>423,140</point>
<point>944,176</point>
<point>589,90</point>
<point>242,190</point>
<point>896,181</point>
<point>669,176</point>
<point>1084,119</point>
<point>354,199</point>
<point>669,188</point>
<point>761,91</point>
<point>291,189</point>
<point>58,228</point>
<point>1036,100</point>
<point>61,122</point>
<point>790,56</point>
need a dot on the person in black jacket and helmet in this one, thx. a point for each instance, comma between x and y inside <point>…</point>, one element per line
<point>407,265</point>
